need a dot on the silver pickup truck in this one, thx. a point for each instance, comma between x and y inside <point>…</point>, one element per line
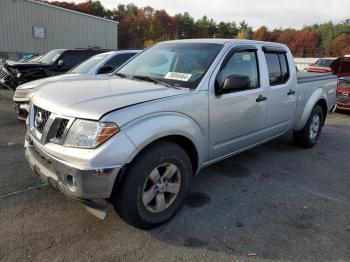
<point>137,138</point>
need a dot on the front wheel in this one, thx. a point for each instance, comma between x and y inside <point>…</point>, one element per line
<point>309,135</point>
<point>154,186</point>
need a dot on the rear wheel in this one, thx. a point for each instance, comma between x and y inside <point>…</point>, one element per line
<point>154,186</point>
<point>309,135</point>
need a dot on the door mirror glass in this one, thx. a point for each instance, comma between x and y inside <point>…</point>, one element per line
<point>105,69</point>
<point>234,83</point>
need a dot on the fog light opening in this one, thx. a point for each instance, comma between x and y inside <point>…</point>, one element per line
<point>71,183</point>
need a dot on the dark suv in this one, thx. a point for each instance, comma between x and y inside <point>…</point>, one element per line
<point>55,62</point>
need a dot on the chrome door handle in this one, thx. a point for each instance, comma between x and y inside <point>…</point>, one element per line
<point>291,92</point>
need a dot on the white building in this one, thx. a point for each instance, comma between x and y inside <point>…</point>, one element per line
<point>28,26</point>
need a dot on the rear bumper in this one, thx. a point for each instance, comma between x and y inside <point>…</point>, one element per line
<point>78,183</point>
<point>343,106</point>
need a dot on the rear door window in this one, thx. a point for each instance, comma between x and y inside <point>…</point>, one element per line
<point>277,65</point>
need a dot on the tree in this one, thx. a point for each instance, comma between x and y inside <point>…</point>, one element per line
<point>202,27</point>
<point>340,46</point>
<point>346,51</point>
<point>227,30</point>
<point>245,31</point>
<point>287,37</point>
<point>140,27</point>
<point>185,25</point>
<point>305,44</point>
<point>97,8</point>
<point>262,34</point>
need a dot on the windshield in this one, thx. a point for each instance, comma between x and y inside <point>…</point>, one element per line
<point>181,64</point>
<point>35,59</point>
<point>50,57</point>
<point>323,62</point>
<point>87,65</point>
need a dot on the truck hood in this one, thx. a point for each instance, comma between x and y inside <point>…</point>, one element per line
<point>37,84</point>
<point>91,98</point>
<point>24,65</point>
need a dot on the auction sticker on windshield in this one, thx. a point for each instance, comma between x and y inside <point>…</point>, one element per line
<point>178,76</point>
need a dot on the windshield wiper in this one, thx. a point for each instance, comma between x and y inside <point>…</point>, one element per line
<point>152,80</point>
<point>121,75</point>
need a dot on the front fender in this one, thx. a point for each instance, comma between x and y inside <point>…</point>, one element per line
<point>315,97</point>
<point>147,129</point>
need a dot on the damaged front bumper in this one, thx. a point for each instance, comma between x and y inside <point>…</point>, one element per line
<point>80,183</point>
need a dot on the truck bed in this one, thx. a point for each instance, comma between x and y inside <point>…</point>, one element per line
<point>305,77</point>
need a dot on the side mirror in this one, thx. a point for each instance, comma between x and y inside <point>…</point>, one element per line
<point>60,62</point>
<point>234,83</point>
<point>105,69</point>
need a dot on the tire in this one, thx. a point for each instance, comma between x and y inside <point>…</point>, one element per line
<point>309,135</point>
<point>130,195</point>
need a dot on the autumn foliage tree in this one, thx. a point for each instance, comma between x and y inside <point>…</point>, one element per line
<point>305,44</point>
<point>340,46</point>
<point>262,34</point>
<point>140,27</point>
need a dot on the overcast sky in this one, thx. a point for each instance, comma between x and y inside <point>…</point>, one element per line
<point>272,13</point>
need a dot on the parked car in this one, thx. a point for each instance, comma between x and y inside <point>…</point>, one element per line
<point>322,65</point>
<point>97,65</point>
<point>343,93</point>
<point>138,138</point>
<point>55,62</point>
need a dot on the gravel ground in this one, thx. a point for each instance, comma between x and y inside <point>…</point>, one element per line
<point>276,202</point>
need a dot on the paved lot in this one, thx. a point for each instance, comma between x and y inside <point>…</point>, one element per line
<point>277,201</point>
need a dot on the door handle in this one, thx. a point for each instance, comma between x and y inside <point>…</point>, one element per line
<point>291,92</point>
<point>261,98</point>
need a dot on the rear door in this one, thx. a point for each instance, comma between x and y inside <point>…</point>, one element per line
<point>237,119</point>
<point>281,91</point>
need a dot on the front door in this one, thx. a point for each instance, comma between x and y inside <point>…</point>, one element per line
<point>237,119</point>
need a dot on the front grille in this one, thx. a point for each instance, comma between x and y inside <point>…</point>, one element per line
<point>3,74</point>
<point>48,127</point>
<point>61,128</point>
<point>344,85</point>
<point>40,118</point>
<point>343,98</point>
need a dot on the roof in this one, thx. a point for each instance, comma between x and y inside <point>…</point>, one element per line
<point>71,11</point>
<point>121,51</point>
<point>222,41</point>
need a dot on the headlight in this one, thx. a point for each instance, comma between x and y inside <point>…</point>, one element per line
<point>89,134</point>
<point>23,93</point>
